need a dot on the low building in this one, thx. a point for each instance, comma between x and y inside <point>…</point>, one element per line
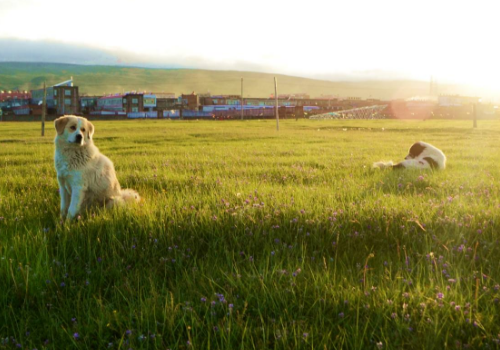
<point>413,108</point>
<point>456,100</point>
<point>14,95</point>
<point>322,103</point>
<point>128,103</point>
<point>88,104</point>
<point>299,96</point>
<point>110,103</point>
<point>219,100</point>
<point>166,101</point>
<point>13,99</point>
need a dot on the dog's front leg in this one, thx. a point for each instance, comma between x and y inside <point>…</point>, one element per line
<point>65,197</point>
<point>77,194</point>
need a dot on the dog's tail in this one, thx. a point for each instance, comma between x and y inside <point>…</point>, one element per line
<point>383,165</point>
<point>127,196</point>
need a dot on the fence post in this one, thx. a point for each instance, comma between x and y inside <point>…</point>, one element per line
<point>276,103</point>
<point>241,103</point>
<point>44,102</point>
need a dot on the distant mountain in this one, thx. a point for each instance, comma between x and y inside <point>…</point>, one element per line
<point>101,79</point>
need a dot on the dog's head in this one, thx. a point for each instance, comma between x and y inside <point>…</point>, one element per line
<point>415,150</point>
<point>74,130</point>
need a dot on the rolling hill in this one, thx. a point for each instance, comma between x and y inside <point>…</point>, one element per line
<point>98,80</point>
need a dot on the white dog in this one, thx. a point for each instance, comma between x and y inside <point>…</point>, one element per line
<point>420,156</point>
<point>86,177</point>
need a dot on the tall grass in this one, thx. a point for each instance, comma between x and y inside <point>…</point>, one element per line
<point>252,239</point>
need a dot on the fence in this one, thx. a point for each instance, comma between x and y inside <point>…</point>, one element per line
<point>110,113</point>
<point>139,115</point>
<point>22,111</point>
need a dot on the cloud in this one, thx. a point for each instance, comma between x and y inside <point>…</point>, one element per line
<point>10,5</point>
<point>17,50</point>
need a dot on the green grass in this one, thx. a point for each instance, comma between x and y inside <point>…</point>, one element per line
<point>250,238</point>
<point>98,80</point>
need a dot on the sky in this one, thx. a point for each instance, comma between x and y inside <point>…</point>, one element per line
<point>452,41</point>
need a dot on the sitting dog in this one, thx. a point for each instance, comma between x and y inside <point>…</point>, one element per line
<point>86,177</point>
<point>420,156</point>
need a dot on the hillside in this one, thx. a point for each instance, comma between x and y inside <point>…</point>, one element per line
<point>99,80</point>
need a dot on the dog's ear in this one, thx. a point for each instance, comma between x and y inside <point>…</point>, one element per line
<point>60,124</point>
<point>91,128</point>
<point>416,149</point>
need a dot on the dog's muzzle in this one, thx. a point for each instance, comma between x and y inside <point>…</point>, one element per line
<point>78,138</point>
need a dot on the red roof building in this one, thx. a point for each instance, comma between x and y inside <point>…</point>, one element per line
<point>10,95</point>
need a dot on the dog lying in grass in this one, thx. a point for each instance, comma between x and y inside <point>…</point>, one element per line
<point>86,177</point>
<point>420,156</point>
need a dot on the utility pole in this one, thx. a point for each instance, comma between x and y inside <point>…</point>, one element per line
<point>474,115</point>
<point>44,102</point>
<point>241,103</point>
<point>276,104</point>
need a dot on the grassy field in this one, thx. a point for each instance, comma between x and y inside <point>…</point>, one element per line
<point>250,238</point>
<point>99,80</point>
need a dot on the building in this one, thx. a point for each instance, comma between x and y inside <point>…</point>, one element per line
<point>219,100</point>
<point>456,101</point>
<point>298,96</point>
<point>14,95</point>
<point>413,108</point>
<point>62,98</point>
<point>189,101</point>
<point>88,104</point>
<point>312,105</point>
<point>66,100</point>
<point>166,101</point>
<point>133,102</point>
<point>129,102</point>
<point>455,107</point>
<point>15,99</point>
<point>126,104</point>
<point>110,104</point>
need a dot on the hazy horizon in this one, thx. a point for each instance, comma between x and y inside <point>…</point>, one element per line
<point>355,41</point>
